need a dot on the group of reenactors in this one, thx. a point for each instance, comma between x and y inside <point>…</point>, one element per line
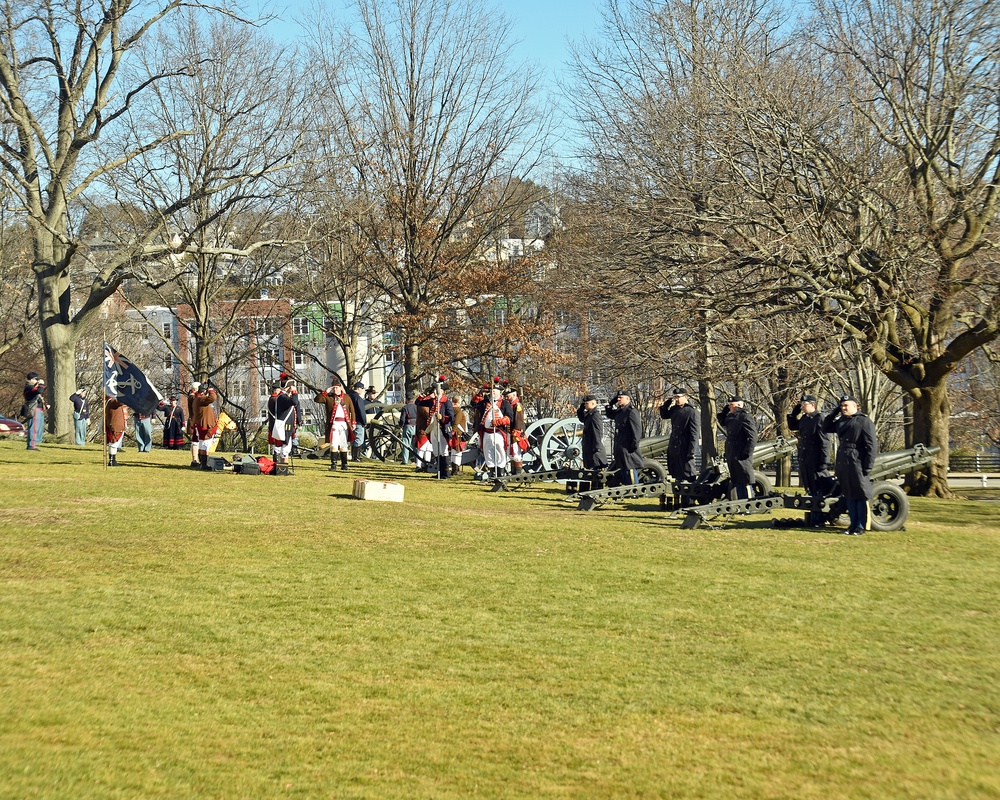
<point>858,445</point>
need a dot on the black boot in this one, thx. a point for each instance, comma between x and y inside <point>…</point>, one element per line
<point>343,462</point>
<point>112,461</point>
<point>195,464</point>
<point>442,468</point>
<point>203,459</point>
<point>518,467</point>
<point>454,469</point>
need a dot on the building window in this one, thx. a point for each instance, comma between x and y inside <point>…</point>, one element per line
<point>168,362</point>
<point>300,359</point>
<point>166,331</point>
<point>300,326</point>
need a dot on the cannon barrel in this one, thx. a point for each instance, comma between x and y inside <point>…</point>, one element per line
<point>772,450</point>
<point>653,446</point>
<point>898,462</point>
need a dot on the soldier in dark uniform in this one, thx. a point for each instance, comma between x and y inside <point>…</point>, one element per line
<point>813,447</point>
<point>595,456</point>
<point>741,438</point>
<point>856,453</point>
<point>628,432</point>
<point>684,425</point>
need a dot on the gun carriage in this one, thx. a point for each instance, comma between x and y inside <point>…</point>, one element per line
<point>890,505</point>
<point>711,484</point>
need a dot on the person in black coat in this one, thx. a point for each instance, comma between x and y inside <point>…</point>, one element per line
<point>360,420</point>
<point>595,456</point>
<point>813,445</point>
<point>684,425</point>
<point>628,432</point>
<point>741,438</point>
<point>856,453</point>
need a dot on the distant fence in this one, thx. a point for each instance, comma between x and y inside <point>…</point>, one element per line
<point>980,462</point>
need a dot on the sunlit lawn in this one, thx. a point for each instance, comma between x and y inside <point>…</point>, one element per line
<point>171,633</point>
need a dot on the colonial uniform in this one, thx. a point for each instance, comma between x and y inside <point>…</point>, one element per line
<point>203,425</point>
<point>340,422</point>
<point>440,420</point>
<point>173,425</point>
<point>741,439</point>
<point>518,445</point>
<point>281,424</point>
<point>114,428</point>
<point>493,433</point>
<point>458,432</point>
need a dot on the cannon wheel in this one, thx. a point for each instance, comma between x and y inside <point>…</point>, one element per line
<point>890,507</point>
<point>762,485</point>
<point>534,433</point>
<point>652,472</point>
<point>562,445</point>
<point>385,445</point>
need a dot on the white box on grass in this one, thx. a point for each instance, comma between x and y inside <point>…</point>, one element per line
<point>378,490</point>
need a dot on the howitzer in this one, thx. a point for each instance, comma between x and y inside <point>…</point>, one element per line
<point>650,448</point>
<point>889,506</point>
<point>712,484</point>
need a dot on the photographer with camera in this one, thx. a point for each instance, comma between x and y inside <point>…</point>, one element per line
<point>33,410</point>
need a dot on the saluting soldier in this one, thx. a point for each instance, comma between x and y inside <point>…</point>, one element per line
<point>628,432</point>
<point>813,445</point>
<point>741,439</point>
<point>858,446</point>
<point>684,425</point>
<point>595,456</point>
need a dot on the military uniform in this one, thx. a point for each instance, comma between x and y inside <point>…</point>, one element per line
<point>741,439</point>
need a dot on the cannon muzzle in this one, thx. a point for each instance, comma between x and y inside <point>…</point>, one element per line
<point>899,462</point>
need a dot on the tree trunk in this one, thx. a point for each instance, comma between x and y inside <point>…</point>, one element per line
<point>59,346</point>
<point>706,399</point>
<point>780,409</point>
<point>411,366</point>
<point>931,424</point>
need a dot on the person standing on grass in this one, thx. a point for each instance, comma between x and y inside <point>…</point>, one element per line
<point>458,434</point>
<point>115,422</point>
<point>81,415</point>
<point>741,439</point>
<point>628,433</point>
<point>203,425</point>
<point>494,428</point>
<point>280,422</point>
<point>408,426</point>
<point>173,424</point>
<point>33,410</point>
<point>813,447</point>
<point>856,451</point>
<point>360,420</point>
<point>143,433</point>
<point>684,428</point>
<point>595,456</point>
<point>340,421</point>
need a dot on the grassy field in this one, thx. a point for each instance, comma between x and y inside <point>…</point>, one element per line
<point>171,633</point>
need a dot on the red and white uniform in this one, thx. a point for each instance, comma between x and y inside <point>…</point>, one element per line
<point>493,432</point>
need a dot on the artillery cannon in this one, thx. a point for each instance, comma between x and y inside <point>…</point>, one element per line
<point>650,448</point>
<point>712,484</point>
<point>890,505</point>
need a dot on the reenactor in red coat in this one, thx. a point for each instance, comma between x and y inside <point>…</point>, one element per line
<point>340,421</point>
<point>203,424</point>
<point>114,428</point>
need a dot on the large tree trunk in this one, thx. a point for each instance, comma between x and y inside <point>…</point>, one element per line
<point>59,345</point>
<point>931,425</point>
<point>780,409</point>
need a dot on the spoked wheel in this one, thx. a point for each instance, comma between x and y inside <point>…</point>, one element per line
<point>562,445</point>
<point>762,486</point>
<point>534,433</point>
<point>385,445</point>
<point>890,507</point>
<point>652,472</point>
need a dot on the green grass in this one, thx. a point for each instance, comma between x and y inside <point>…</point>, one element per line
<point>171,633</point>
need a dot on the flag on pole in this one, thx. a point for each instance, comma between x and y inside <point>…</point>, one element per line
<point>124,380</point>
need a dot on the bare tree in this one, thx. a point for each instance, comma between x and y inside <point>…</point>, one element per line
<point>437,124</point>
<point>869,199</point>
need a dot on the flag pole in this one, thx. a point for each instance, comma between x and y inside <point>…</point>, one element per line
<point>104,432</point>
